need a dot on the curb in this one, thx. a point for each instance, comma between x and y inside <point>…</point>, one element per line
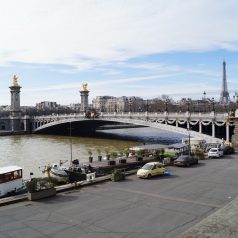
<point>62,188</point>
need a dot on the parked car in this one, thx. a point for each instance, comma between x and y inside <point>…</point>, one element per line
<point>215,153</point>
<point>228,150</point>
<point>185,160</point>
<point>151,169</point>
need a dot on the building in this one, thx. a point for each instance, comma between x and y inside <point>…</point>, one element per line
<point>99,103</point>
<point>46,105</point>
<point>118,104</point>
<point>75,107</point>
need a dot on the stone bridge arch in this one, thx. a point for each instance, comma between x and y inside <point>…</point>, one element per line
<point>150,122</point>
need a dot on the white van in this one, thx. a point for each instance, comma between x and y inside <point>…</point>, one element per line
<point>10,180</point>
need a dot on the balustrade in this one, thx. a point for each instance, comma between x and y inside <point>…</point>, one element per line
<point>143,118</point>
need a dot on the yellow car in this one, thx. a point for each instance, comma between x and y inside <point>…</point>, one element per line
<point>151,169</point>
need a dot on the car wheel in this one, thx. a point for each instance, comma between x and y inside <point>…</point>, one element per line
<point>188,164</point>
<point>149,176</point>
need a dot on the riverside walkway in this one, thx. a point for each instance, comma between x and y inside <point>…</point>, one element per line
<point>221,224</point>
<point>165,207</point>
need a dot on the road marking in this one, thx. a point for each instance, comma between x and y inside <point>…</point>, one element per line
<point>170,198</point>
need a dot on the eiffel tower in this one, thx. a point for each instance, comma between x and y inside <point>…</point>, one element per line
<point>224,96</point>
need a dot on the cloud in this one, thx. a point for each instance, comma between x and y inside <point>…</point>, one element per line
<point>85,34</point>
<point>100,83</point>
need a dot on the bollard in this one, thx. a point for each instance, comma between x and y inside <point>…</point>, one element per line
<point>90,177</point>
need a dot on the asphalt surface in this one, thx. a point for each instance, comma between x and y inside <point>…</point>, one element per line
<point>160,207</point>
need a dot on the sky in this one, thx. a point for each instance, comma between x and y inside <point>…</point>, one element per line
<point>119,47</point>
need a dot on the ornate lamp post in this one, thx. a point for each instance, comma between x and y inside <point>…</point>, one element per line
<point>166,105</point>
<point>189,143</point>
<point>188,105</point>
<point>147,109</point>
<point>213,104</point>
<point>204,100</point>
<point>147,106</point>
<point>130,103</point>
<point>235,97</point>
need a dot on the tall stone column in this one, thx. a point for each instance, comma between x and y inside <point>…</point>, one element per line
<point>84,98</point>
<point>15,105</point>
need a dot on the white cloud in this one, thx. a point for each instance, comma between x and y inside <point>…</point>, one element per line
<point>92,32</point>
<point>95,34</point>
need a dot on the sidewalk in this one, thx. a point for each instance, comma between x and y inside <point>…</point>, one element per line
<point>221,224</point>
<point>23,197</point>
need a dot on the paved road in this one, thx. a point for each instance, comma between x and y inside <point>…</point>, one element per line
<point>159,207</point>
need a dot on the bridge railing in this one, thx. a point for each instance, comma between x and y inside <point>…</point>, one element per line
<point>145,115</point>
<point>162,115</point>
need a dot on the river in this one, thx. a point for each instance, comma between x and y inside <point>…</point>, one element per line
<point>31,152</point>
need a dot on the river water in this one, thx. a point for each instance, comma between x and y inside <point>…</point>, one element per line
<point>31,152</point>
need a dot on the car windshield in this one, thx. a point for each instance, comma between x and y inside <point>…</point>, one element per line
<point>182,158</point>
<point>147,166</point>
<point>213,150</point>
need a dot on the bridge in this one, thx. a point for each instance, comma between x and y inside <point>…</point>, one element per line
<point>198,124</point>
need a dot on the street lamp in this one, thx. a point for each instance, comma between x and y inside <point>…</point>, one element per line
<point>188,105</point>
<point>147,109</point>
<point>147,106</point>
<point>189,142</point>
<point>129,106</point>
<point>235,97</point>
<point>213,104</point>
<point>71,151</point>
<point>204,100</point>
<point>166,105</point>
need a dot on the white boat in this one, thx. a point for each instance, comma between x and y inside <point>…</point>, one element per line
<point>72,173</point>
<point>11,181</point>
<point>57,172</point>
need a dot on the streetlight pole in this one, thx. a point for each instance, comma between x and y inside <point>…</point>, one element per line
<point>204,100</point>
<point>213,104</point>
<point>188,106</point>
<point>71,151</point>
<point>236,99</point>
<point>189,143</point>
<point>130,108</point>
<point>147,108</point>
<point>166,105</point>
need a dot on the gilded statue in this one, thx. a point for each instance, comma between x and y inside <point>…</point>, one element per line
<point>85,87</point>
<point>15,83</point>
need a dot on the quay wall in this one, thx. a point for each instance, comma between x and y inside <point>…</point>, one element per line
<point>10,133</point>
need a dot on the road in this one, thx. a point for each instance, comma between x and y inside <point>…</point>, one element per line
<point>159,207</point>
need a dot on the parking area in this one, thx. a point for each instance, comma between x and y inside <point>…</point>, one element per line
<point>158,207</point>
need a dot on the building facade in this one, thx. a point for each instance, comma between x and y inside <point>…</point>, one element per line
<point>118,104</point>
